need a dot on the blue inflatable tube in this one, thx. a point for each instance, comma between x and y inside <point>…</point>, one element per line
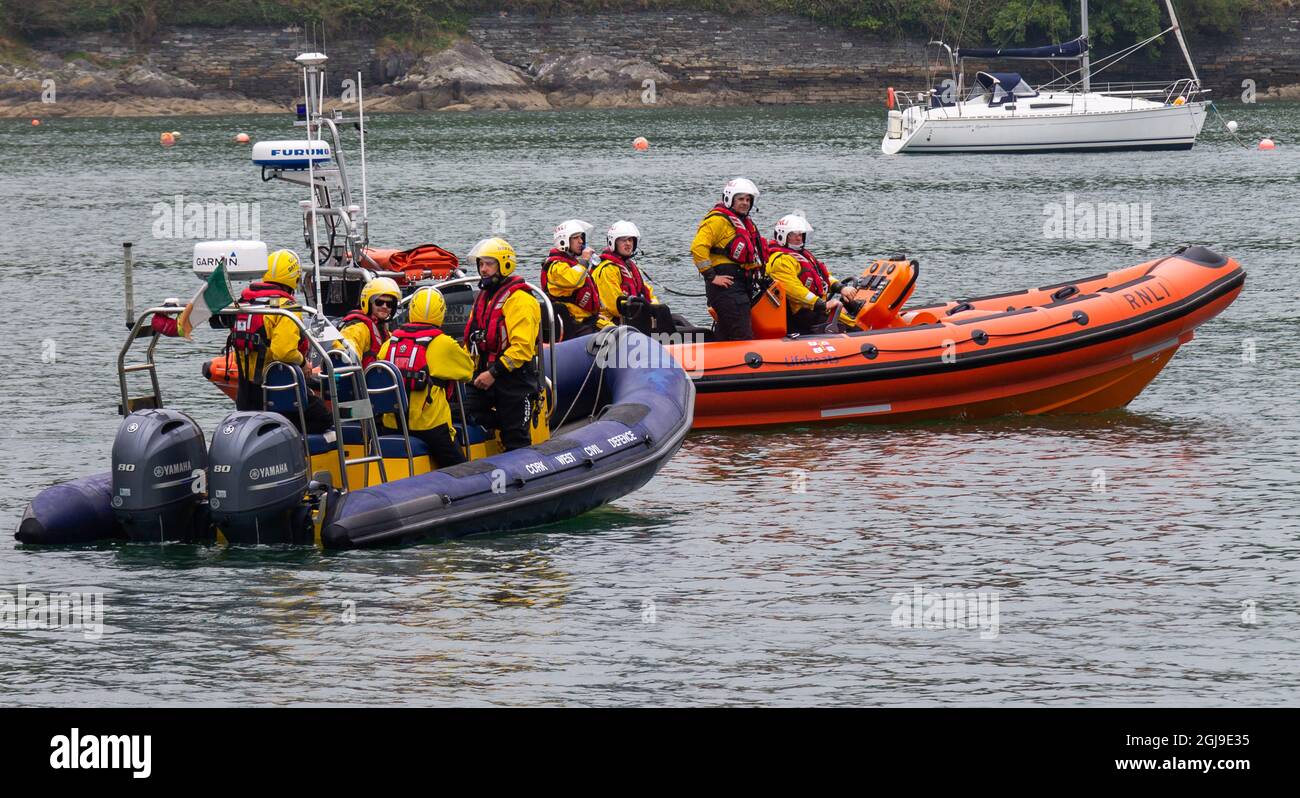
<point>648,406</point>
<point>71,512</point>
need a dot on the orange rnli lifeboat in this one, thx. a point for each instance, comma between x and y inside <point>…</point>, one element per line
<point>1082,346</point>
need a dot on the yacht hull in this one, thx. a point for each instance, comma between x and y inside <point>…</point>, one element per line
<point>1161,127</point>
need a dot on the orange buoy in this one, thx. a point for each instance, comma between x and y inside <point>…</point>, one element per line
<point>640,143</point>
<point>167,139</point>
<point>1267,144</point>
<point>36,123</point>
<point>242,138</point>
<point>889,98</point>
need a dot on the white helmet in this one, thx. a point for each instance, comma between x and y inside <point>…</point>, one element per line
<point>739,185</point>
<point>622,229</point>
<point>791,223</point>
<point>566,230</point>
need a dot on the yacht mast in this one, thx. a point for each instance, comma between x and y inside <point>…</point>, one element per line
<point>1084,65</point>
<point>1178,31</point>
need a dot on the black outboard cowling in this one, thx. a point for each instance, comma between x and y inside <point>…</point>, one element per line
<point>156,491</point>
<point>257,480</point>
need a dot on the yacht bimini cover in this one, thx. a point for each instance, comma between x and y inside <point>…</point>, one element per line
<point>1004,86</point>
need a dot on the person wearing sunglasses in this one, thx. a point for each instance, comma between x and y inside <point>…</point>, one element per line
<point>365,330</point>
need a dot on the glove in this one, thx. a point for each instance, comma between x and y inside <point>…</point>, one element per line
<point>164,325</point>
<point>819,308</point>
<point>835,288</point>
<point>630,306</point>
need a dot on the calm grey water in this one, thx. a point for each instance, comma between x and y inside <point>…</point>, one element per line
<point>1126,551</point>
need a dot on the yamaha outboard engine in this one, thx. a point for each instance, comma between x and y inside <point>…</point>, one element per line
<point>156,491</point>
<point>257,480</point>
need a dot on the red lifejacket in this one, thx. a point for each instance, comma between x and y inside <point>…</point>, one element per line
<point>812,272</point>
<point>585,296</point>
<point>488,317</point>
<point>747,245</point>
<point>377,336</point>
<point>250,332</point>
<point>632,283</point>
<point>409,351</point>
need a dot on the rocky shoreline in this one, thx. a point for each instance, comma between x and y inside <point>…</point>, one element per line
<point>49,87</point>
<point>462,77</point>
<point>512,63</point>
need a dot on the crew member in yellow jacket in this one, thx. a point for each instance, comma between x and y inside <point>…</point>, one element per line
<point>258,340</point>
<point>430,362</point>
<point>502,330</point>
<point>728,251</point>
<point>365,330</point>
<point>810,290</point>
<point>625,295</point>
<point>566,280</point>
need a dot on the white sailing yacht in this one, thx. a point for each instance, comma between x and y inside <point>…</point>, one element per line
<point>1003,113</point>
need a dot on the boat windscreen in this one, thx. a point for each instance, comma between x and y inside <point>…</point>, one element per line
<point>1004,86</point>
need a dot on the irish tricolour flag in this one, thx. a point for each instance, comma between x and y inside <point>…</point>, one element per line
<point>215,295</point>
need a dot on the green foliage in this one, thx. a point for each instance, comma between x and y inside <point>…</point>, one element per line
<point>1213,16</point>
<point>1124,22</point>
<point>1115,23</point>
<point>1025,21</point>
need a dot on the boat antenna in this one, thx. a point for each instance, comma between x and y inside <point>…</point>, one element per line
<point>1178,32</point>
<point>361,125</point>
<point>310,70</point>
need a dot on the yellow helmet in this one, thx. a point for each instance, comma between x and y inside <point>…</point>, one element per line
<point>427,306</point>
<point>282,267</point>
<point>380,286</point>
<point>498,249</point>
